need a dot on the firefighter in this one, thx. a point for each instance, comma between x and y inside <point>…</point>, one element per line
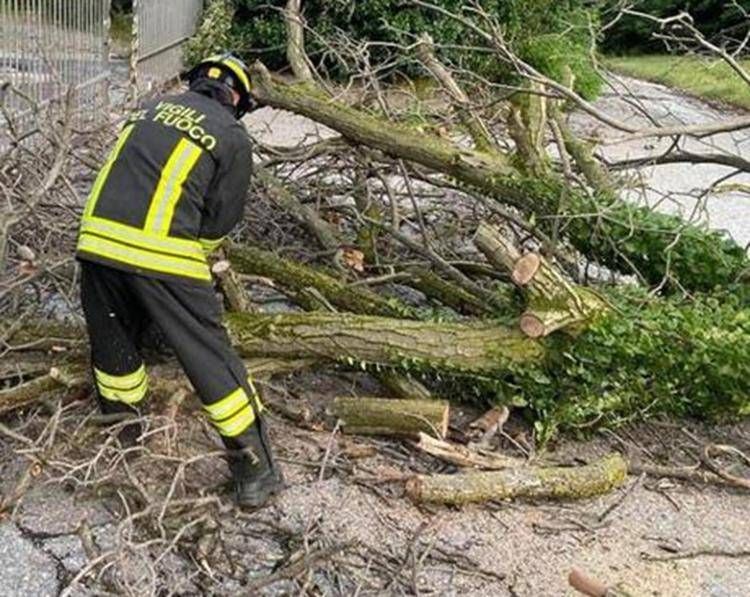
<point>172,188</point>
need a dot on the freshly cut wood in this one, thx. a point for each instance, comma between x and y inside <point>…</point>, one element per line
<point>596,478</point>
<point>463,456</point>
<point>526,268</point>
<point>553,303</point>
<point>384,416</point>
<point>488,425</point>
<point>231,286</point>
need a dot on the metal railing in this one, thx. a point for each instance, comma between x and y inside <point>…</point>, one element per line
<point>48,47</point>
<point>160,30</point>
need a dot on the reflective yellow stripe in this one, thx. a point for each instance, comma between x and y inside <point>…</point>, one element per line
<point>209,245</point>
<point>129,388</point>
<point>227,405</point>
<point>237,70</point>
<point>142,239</point>
<point>169,189</point>
<point>128,396</point>
<point>237,423</point>
<point>256,396</point>
<point>104,172</point>
<point>141,258</point>
<point>123,382</point>
<point>233,66</point>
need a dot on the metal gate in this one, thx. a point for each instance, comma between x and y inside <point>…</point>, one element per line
<point>46,48</point>
<point>160,30</point>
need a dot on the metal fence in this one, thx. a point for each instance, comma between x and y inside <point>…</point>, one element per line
<point>46,48</point>
<point>160,30</point>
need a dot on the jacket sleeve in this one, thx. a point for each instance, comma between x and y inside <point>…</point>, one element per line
<point>225,200</point>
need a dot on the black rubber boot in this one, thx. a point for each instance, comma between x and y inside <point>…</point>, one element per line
<point>130,434</point>
<point>255,475</point>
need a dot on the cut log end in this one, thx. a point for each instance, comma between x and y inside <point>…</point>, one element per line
<point>532,326</point>
<point>526,268</point>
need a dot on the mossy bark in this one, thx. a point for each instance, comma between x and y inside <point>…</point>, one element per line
<point>28,392</point>
<point>384,416</point>
<point>326,235</point>
<point>296,277</point>
<point>451,295</point>
<point>362,339</point>
<point>593,479</point>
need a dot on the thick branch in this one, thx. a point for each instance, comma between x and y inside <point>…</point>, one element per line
<point>532,482</point>
<point>476,127</point>
<point>384,416</point>
<point>601,227</point>
<point>553,303</point>
<point>297,278</point>
<point>295,41</point>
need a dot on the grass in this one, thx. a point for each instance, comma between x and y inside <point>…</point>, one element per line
<point>710,79</point>
<point>121,28</point>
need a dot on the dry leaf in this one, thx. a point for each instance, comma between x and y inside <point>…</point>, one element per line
<point>354,259</point>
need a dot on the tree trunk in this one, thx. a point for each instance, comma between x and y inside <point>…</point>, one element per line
<point>384,416</point>
<point>363,339</point>
<point>599,477</point>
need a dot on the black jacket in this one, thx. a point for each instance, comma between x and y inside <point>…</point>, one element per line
<point>173,186</point>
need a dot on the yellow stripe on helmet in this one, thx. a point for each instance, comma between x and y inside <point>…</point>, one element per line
<point>233,65</point>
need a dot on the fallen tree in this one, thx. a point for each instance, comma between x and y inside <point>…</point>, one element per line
<point>609,230</point>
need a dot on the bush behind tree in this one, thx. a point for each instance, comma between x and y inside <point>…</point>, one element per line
<point>547,33</point>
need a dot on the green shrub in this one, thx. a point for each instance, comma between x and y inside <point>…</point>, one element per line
<point>547,33</point>
<point>664,356</point>
<point>214,33</point>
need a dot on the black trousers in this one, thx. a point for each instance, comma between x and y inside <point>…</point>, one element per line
<point>119,305</point>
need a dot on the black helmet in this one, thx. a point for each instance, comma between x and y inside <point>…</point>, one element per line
<point>229,70</point>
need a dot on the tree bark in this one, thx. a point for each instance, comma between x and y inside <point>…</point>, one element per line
<point>593,479</point>
<point>385,416</point>
<point>326,235</point>
<point>297,277</point>
<point>403,386</point>
<point>450,294</point>
<point>362,339</point>
<point>476,127</point>
<point>28,392</point>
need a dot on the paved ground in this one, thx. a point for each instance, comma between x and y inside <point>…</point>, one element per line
<point>675,187</point>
